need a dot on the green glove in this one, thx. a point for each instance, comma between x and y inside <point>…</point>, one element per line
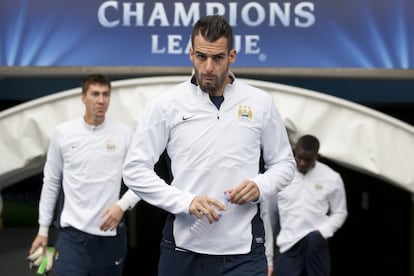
<point>42,263</point>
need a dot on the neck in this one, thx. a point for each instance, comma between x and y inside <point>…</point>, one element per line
<point>94,121</point>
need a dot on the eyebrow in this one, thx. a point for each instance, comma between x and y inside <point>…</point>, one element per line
<point>214,55</point>
<point>103,92</point>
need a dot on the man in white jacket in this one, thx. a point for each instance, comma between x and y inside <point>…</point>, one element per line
<point>214,128</point>
<point>304,215</point>
<point>84,161</point>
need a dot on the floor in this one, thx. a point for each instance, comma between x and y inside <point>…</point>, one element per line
<point>14,248</point>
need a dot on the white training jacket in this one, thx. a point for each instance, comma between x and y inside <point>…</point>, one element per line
<point>87,162</point>
<point>211,150</point>
<point>315,201</point>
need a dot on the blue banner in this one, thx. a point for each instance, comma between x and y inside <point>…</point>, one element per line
<point>306,34</point>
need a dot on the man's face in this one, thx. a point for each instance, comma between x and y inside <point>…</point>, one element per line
<point>211,61</point>
<point>96,100</point>
<point>305,159</point>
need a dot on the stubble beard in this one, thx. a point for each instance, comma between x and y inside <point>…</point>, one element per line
<point>213,87</point>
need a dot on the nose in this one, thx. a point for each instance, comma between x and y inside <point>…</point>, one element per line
<point>209,65</point>
<point>303,164</point>
<point>100,98</point>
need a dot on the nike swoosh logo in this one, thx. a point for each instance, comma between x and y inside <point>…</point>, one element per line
<point>118,262</point>
<point>188,117</point>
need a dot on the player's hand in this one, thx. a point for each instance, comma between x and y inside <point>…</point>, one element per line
<point>207,206</point>
<point>246,192</point>
<point>111,218</point>
<point>39,241</point>
<point>41,260</point>
<point>270,271</point>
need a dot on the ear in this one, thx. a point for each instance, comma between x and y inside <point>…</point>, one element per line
<point>191,54</point>
<point>232,56</point>
<point>318,156</point>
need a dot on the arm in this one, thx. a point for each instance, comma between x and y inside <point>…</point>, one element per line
<point>129,199</point>
<point>50,190</point>
<point>338,210</point>
<point>149,142</point>
<point>277,155</point>
<point>112,216</point>
<point>278,159</point>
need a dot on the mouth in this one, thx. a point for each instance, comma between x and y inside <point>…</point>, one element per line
<point>100,110</point>
<point>209,78</point>
<point>302,169</point>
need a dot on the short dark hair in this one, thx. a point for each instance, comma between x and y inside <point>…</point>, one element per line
<point>213,27</point>
<point>93,79</point>
<point>309,143</point>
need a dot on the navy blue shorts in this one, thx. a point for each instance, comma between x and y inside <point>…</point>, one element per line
<point>174,261</point>
<point>79,253</point>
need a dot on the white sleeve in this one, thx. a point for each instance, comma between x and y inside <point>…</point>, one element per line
<point>52,181</point>
<point>337,210</point>
<point>149,142</point>
<point>128,200</point>
<point>277,155</point>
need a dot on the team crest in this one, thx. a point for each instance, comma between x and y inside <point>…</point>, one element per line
<point>110,145</point>
<point>245,113</point>
<point>318,186</point>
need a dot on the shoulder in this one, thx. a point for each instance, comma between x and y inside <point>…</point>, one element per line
<point>65,130</point>
<point>69,125</point>
<point>253,96</point>
<point>177,94</point>
<point>324,169</point>
<point>180,89</point>
<point>249,89</point>
<point>118,125</point>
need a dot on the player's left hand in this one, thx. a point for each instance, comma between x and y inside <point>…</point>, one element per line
<point>111,217</point>
<point>246,192</point>
<point>42,262</point>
